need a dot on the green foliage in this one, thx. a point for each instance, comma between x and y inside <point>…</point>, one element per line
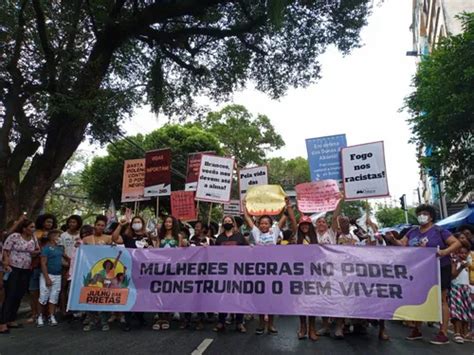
<point>243,136</point>
<point>389,216</point>
<point>442,109</point>
<point>102,178</point>
<point>288,173</point>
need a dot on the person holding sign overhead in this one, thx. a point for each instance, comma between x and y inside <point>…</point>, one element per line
<point>267,234</point>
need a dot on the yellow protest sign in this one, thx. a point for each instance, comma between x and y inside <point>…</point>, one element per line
<point>265,200</point>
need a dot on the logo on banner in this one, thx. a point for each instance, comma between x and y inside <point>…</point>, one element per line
<point>106,283</point>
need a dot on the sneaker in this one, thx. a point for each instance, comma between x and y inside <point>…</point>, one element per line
<point>468,338</point>
<point>414,335</point>
<point>39,322</point>
<point>458,338</point>
<point>52,321</point>
<point>88,327</point>
<point>105,328</point>
<point>440,339</point>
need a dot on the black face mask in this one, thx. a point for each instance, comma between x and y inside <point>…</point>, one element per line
<point>228,226</point>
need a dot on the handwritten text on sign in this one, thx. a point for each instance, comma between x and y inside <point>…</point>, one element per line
<point>317,196</point>
<point>215,179</point>
<point>252,177</point>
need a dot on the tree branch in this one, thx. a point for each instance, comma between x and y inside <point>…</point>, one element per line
<point>43,36</point>
<point>196,70</point>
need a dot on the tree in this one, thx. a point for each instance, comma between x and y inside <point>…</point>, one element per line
<point>102,178</point>
<point>442,109</point>
<point>288,173</point>
<point>389,216</point>
<point>243,136</point>
<point>74,68</point>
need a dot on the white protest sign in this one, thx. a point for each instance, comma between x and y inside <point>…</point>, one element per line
<point>363,170</point>
<point>215,179</point>
<point>232,208</point>
<point>252,177</point>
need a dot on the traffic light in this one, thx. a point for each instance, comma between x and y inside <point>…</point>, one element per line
<point>403,202</point>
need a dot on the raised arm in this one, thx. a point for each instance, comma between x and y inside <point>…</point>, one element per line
<point>116,236</point>
<point>337,213</point>
<point>248,218</point>
<point>291,216</point>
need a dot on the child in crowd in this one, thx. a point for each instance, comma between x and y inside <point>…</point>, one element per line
<point>52,255</point>
<point>460,303</point>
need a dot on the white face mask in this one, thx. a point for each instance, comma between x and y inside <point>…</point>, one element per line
<point>423,219</point>
<point>137,226</point>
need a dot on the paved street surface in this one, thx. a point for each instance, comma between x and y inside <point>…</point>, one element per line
<point>68,338</point>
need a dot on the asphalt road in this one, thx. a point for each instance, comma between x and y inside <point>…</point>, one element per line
<point>68,338</point>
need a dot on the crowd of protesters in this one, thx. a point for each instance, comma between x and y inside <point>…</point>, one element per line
<point>38,259</point>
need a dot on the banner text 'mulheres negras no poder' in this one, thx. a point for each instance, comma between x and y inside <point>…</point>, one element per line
<point>334,281</point>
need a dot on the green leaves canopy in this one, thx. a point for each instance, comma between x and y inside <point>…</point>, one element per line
<point>442,109</point>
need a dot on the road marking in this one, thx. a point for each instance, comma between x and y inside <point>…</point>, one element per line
<point>202,347</point>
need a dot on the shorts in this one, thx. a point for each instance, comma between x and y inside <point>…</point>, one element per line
<point>445,277</point>
<point>35,279</point>
<point>50,294</point>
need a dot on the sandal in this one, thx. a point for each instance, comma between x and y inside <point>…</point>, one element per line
<point>313,335</point>
<point>272,330</point>
<point>302,333</point>
<point>219,328</point>
<point>259,331</point>
<point>241,328</point>
<point>165,325</point>
<point>383,336</point>
<point>339,334</point>
<point>156,326</point>
<point>323,332</point>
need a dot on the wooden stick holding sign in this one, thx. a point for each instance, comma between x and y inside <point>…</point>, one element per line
<point>210,212</point>
<point>157,208</point>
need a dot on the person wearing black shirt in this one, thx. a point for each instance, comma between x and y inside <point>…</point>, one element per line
<point>230,236</point>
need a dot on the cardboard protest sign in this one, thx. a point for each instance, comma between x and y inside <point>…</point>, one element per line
<point>183,206</point>
<point>158,172</point>
<point>324,157</point>
<point>318,196</point>
<point>192,171</point>
<point>133,182</point>
<point>252,177</point>
<point>265,200</point>
<point>215,179</point>
<point>364,172</point>
<point>315,280</point>
<point>232,208</point>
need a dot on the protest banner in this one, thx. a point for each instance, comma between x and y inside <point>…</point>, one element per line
<point>367,283</point>
<point>252,177</point>
<point>158,172</point>
<point>215,179</point>
<point>324,157</point>
<point>364,173</point>
<point>133,182</point>
<point>183,205</point>
<point>265,200</point>
<point>192,170</point>
<point>232,208</point>
<point>318,196</point>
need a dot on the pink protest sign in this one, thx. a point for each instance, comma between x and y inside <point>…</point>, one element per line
<point>317,196</point>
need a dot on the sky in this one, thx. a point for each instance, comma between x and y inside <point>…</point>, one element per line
<point>359,95</point>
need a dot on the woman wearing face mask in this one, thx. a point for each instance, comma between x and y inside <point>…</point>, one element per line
<point>427,234</point>
<point>135,236</point>
<point>230,236</point>
<point>266,234</point>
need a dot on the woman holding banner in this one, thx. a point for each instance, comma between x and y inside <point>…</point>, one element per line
<point>306,234</point>
<point>427,234</point>
<point>230,236</point>
<point>267,234</point>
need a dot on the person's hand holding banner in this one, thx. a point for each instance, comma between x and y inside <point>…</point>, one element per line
<point>265,200</point>
<point>317,196</point>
